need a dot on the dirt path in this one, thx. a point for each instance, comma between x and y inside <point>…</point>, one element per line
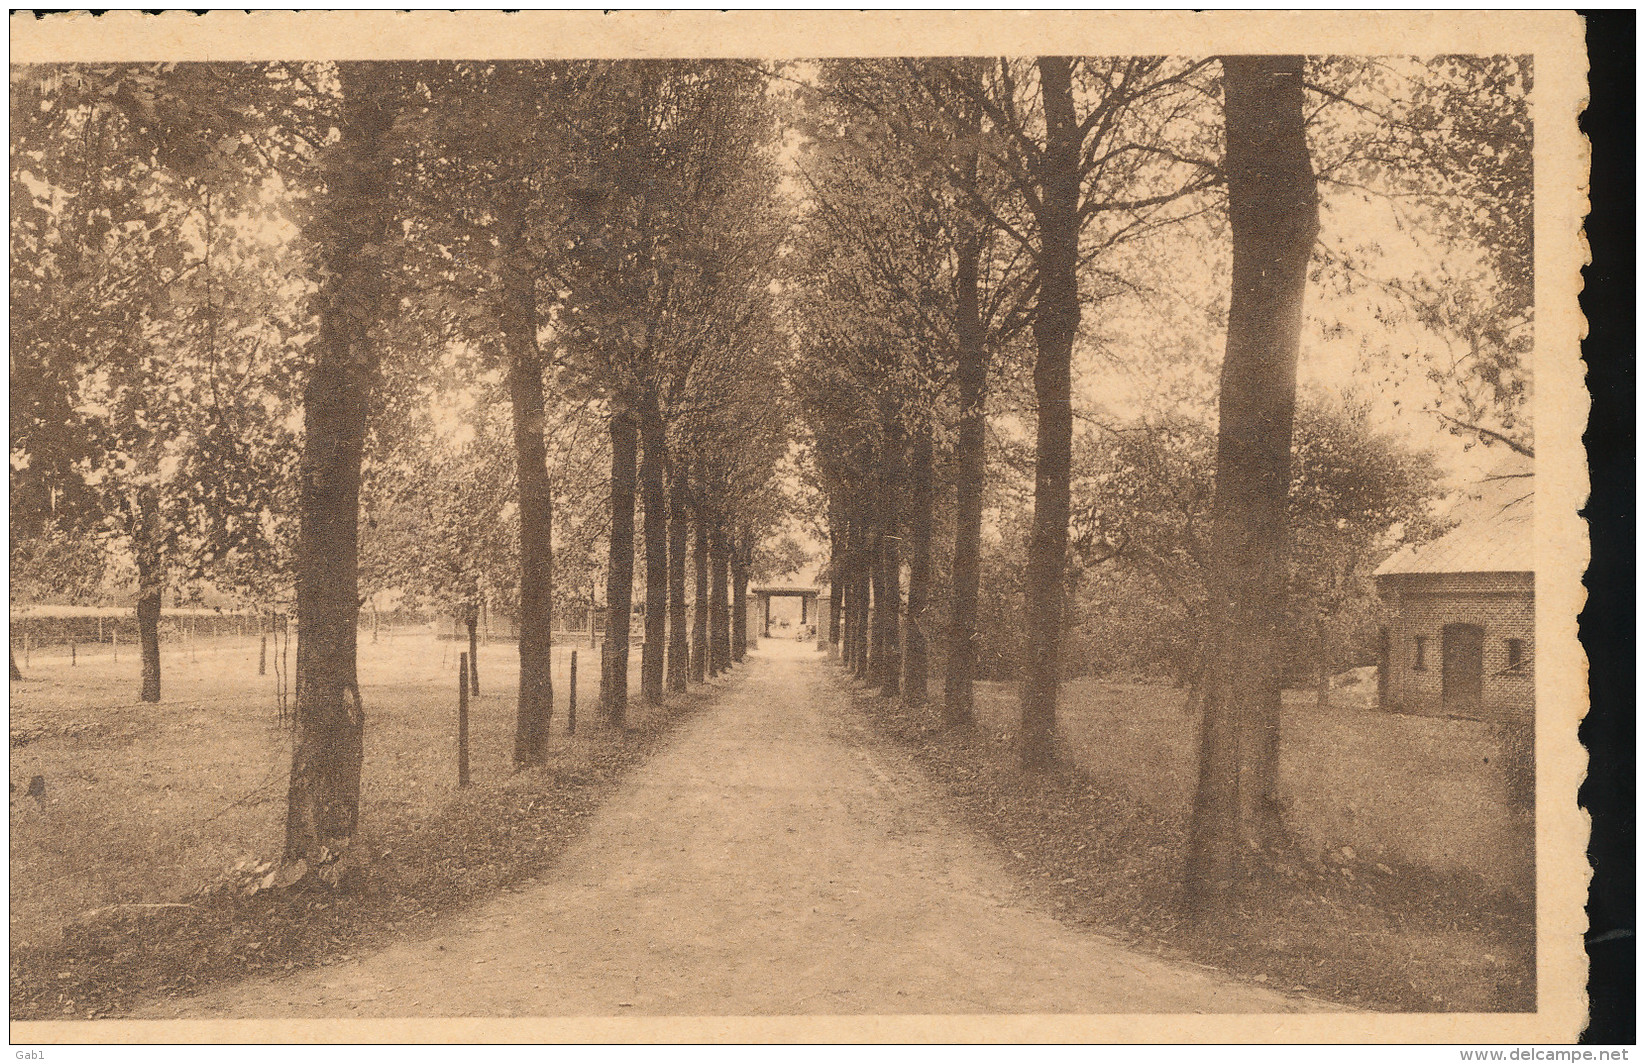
<point>764,863</point>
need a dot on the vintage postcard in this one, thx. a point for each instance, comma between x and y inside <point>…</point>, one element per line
<point>773,526</point>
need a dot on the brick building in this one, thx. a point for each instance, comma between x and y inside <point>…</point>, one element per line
<point>1461,633</point>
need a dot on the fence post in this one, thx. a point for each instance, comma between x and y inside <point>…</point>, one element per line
<point>473,658</point>
<point>262,653</point>
<point>571,708</point>
<point>74,654</point>
<point>116,646</point>
<point>462,720</point>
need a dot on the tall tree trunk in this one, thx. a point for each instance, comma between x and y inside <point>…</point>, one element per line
<point>535,706</point>
<point>876,613</point>
<point>148,638</point>
<point>473,623</point>
<point>1056,320</point>
<point>867,552</point>
<point>653,486</point>
<point>846,577</point>
<point>150,581</point>
<point>719,603</point>
<point>1273,213</point>
<point>890,615</point>
<point>701,608</point>
<point>970,472</point>
<point>678,521</point>
<point>619,577</point>
<point>739,602</point>
<point>836,588</point>
<point>915,657</point>
<point>323,799</point>
<point>888,609</point>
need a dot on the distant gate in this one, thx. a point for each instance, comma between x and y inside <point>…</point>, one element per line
<point>760,604</point>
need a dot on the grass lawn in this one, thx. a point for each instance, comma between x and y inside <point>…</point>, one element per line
<point>1103,834</point>
<point>1425,793</point>
<point>145,804</point>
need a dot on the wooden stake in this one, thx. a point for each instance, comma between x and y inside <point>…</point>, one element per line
<point>262,654</point>
<point>473,660</point>
<point>462,720</point>
<point>571,708</point>
<point>116,635</point>
<point>74,654</point>
<point>283,659</point>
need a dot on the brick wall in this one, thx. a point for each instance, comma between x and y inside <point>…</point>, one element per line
<point>1421,605</point>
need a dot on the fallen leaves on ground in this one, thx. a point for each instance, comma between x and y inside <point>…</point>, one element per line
<point>1363,934</point>
<point>486,839</point>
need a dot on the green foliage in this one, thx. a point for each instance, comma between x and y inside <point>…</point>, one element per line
<point>51,565</point>
<point>1141,537</point>
<point>773,560</point>
<point>670,211</point>
<point>161,301</point>
<point>155,321</point>
<point>439,523</point>
<point>1443,145</point>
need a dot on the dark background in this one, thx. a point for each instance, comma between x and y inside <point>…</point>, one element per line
<point>1607,623</point>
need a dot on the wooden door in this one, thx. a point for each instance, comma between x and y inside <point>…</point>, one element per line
<point>1462,666</point>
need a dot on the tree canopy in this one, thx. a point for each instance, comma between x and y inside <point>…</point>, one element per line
<point>439,332</point>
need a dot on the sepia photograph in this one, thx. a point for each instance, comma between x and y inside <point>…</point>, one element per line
<point>733,526</point>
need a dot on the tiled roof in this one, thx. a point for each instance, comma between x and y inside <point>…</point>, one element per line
<point>1492,533</point>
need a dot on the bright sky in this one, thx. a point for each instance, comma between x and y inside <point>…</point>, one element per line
<point>1155,348</point>
<point>1147,354</point>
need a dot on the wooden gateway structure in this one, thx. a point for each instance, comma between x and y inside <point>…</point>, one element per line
<point>811,613</point>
